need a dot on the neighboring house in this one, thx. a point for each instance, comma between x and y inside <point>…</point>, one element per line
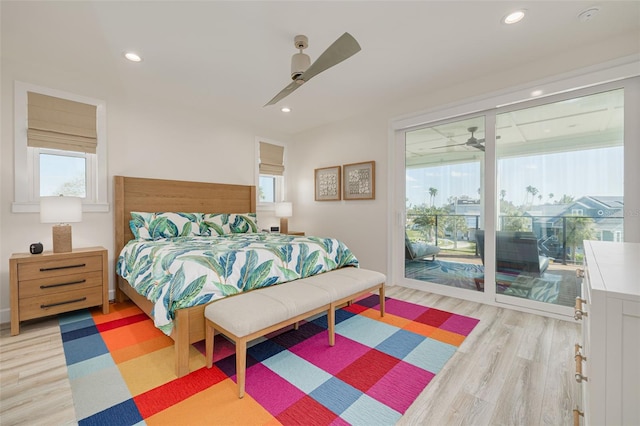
<point>549,220</point>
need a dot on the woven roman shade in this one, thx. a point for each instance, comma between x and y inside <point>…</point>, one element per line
<point>271,159</point>
<point>61,124</point>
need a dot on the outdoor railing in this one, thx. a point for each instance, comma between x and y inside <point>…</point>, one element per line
<point>558,237</point>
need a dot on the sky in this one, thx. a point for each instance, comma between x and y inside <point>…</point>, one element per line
<point>587,172</point>
<point>56,170</point>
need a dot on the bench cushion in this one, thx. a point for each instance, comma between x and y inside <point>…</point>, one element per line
<point>255,310</point>
<point>345,282</point>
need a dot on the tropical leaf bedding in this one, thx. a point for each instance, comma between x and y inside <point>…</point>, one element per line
<point>181,272</point>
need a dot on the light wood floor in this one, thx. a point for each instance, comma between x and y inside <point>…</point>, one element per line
<point>514,369</point>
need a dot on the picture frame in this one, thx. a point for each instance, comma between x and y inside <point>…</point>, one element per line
<point>328,184</point>
<point>359,181</point>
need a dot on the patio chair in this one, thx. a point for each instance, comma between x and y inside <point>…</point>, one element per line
<point>516,252</point>
<point>417,250</point>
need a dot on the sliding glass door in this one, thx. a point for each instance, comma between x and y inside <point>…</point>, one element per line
<point>444,169</point>
<point>559,182</point>
<point>496,205</point>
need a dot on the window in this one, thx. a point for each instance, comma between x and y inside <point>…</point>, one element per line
<point>271,174</point>
<point>60,148</point>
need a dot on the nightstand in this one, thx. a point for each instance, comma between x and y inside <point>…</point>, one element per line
<point>51,283</point>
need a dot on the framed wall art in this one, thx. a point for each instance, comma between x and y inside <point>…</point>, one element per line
<point>327,183</point>
<point>359,181</point>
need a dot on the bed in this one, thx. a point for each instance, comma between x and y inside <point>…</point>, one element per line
<point>187,324</point>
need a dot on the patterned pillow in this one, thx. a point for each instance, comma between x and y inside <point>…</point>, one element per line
<point>153,226</point>
<point>243,223</point>
<point>225,223</point>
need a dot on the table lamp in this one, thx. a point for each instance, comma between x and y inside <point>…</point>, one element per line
<point>61,211</point>
<point>284,211</point>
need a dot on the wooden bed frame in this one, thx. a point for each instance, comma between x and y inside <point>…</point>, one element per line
<point>158,195</point>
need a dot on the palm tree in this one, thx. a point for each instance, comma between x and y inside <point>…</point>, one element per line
<point>565,199</point>
<point>533,191</point>
<point>432,193</point>
<point>551,195</point>
<point>530,190</point>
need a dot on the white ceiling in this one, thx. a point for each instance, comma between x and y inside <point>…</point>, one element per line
<point>230,58</point>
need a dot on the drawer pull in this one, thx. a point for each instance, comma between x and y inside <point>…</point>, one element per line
<point>55,268</point>
<point>579,312</point>
<point>51,305</point>
<point>576,416</point>
<point>579,377</point>
<point>62,284</point>
<point>577,352</point>
<point>579,273</point>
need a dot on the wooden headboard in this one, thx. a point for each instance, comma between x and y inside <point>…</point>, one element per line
<point>159,195</point>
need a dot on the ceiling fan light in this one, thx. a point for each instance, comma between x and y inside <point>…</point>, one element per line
<point>514,17</point>
<point>285,109</point>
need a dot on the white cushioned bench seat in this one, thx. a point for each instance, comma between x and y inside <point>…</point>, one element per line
<point>265,307</point>
<point>345,282</point>
<point>246,316</point>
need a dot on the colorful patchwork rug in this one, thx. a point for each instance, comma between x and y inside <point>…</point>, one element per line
<point>122,372</point>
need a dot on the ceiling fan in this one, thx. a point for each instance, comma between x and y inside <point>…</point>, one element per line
<point>472,141</point>
<point>302,70</point>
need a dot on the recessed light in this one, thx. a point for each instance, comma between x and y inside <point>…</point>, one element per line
<point>285,109</point>
<point>536,93</point>
<point>133,57</point>
<point>514,17</point>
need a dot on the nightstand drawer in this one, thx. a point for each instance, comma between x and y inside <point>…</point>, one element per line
<point>50,285</point>
<point>59,267</point>
<point>36,307</point>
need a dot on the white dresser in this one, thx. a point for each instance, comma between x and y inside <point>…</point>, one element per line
<point>608,358</point>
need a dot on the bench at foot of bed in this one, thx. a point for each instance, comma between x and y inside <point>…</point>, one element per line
<point>248,316</point>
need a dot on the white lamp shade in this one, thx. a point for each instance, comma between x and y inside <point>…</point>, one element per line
<point>60,209</point>
<point>284,209</point>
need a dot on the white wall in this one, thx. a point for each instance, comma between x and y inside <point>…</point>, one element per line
<point>361,224</point>
<point>147,137</point>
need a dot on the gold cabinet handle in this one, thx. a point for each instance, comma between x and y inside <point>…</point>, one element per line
<point>576,416</point>
<point>579,377</point>
<point>579,312</point>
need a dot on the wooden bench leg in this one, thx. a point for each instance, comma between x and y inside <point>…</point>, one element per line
<point>241,364</point>
<point>209,332</point>
<point>331,324</point>
<point>381,293</point>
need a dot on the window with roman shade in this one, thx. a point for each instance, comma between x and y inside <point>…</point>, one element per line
<point>60,147</point>
<point>62,124</point>
<point>271,159</point>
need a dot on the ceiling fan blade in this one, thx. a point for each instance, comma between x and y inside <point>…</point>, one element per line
<point>449,146</point>
<point>343,48</point>
<point>285,92</point>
